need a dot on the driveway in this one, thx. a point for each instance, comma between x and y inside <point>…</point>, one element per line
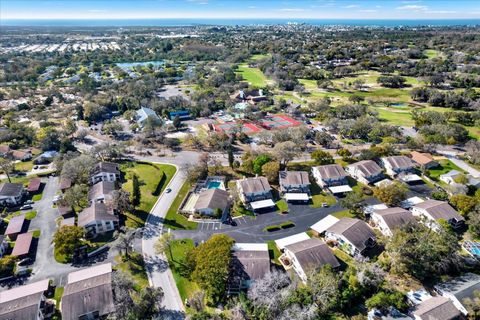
<point>465,166</point>
<point>45,265</point>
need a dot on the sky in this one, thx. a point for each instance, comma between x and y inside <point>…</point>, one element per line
<point>239,9</point>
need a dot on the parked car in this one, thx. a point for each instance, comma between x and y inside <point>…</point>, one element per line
<point>324,205</point>
<point>168,190</point>
<point>24,262</point>
<point>56,199</point>
<point>29,202</point>
<point>26,207</point>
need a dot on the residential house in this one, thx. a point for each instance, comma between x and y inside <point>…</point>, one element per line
<point>352,235</point>
<point>434,210</point>
<point>250,262</point>
<point>449,177</point>
<point>250,96</point>
<point>308,255</point>
<point>283,242</point>
<point>410,202</point>
<point>295,185</point>
<point>20,155</point>
<point>255,192</point>
<point>143,114</point>
<point>365,171</point>
<point>436,308</point>
<point>321,226</point>
<point>34,185</point>
<point>15,226</point>
<point>65,183</point>
<point>88,293</point>
<point>101,191</point>
<point>211,201</point>
<point>45,157</point>
<point>3,245</point>
<point>423,160</point>
<point>333,178</point>
<point>461,288</point>
<point>27,302</point>
<point>395,165</point>
<point>22,245</point>
<point>105,171</point>
<point>11,194</point>
<point>97,218</point>
<point>391,218</point>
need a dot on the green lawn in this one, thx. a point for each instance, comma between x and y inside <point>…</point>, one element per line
<point>135,269</point>
<point>254,76</point>
<point>257,57</point>
<point>180,249</point>
<point>282,205</point>
<point>173,219</point>
<point>431,53</point>
<point>395,117</point>
<point>24,166</point>
<point>319,197</point>
<point>151,186</point>
<point>343,257</point>
<point>28,215</point>
<point>58,296</point>
<point>60,258</point>
<point>343,214</point>
<point>274,252</point>
<point>445,167</point>
<point>37,197</point>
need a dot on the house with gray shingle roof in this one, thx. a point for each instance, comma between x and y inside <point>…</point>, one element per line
<point>250,262</point>
<point>11,194</point>
<point>434,210</point>
<point>98,218</point>
<point>391,218</point>
<point>88,293</point>
<point>366,171</point>
<point>330,175</point>
<point>395,165</point>
<point>27,302</point>
<point>353,236</point>
<point>255,192</point>
<point>211,200</point>
<point>436,308</point>
<point>309,255</point>
<point>461,288</point>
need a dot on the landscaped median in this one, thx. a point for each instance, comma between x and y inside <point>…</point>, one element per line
<point>173,219</point>
<point>281,226</point>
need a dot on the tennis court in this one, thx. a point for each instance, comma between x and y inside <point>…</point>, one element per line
<point>228,127</point>
<point>279,121</point>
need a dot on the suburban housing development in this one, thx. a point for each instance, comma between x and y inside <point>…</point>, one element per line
<point>187,164</point>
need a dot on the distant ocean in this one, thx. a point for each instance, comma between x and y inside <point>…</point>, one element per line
<point>232,22</point>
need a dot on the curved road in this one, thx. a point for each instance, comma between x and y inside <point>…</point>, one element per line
<point>159,274</point>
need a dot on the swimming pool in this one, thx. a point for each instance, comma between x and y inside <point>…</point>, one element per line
<point>214,185</point>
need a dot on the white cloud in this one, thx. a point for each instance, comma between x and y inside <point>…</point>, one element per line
<point>252,7</point>
<point>442,12</point>
<point>291,9</point>
<point>412,7</point>
<point>351,6</point>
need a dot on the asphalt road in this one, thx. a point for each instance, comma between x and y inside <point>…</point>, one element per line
<point>159,274</point>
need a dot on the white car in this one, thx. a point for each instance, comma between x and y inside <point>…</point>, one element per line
<point>26,207</point>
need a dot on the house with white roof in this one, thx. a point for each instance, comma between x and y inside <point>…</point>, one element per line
<point>321,226</point>
<point>283,242</point>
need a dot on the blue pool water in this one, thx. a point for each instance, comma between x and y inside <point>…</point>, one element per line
<point>213,185</point>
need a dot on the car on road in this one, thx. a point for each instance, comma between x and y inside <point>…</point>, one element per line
<point>26,207</point>
<point>29,202</point>
<point>35,167</point>
<point>324,205</point>
<point>168,190</point>
<point>56,199</point>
